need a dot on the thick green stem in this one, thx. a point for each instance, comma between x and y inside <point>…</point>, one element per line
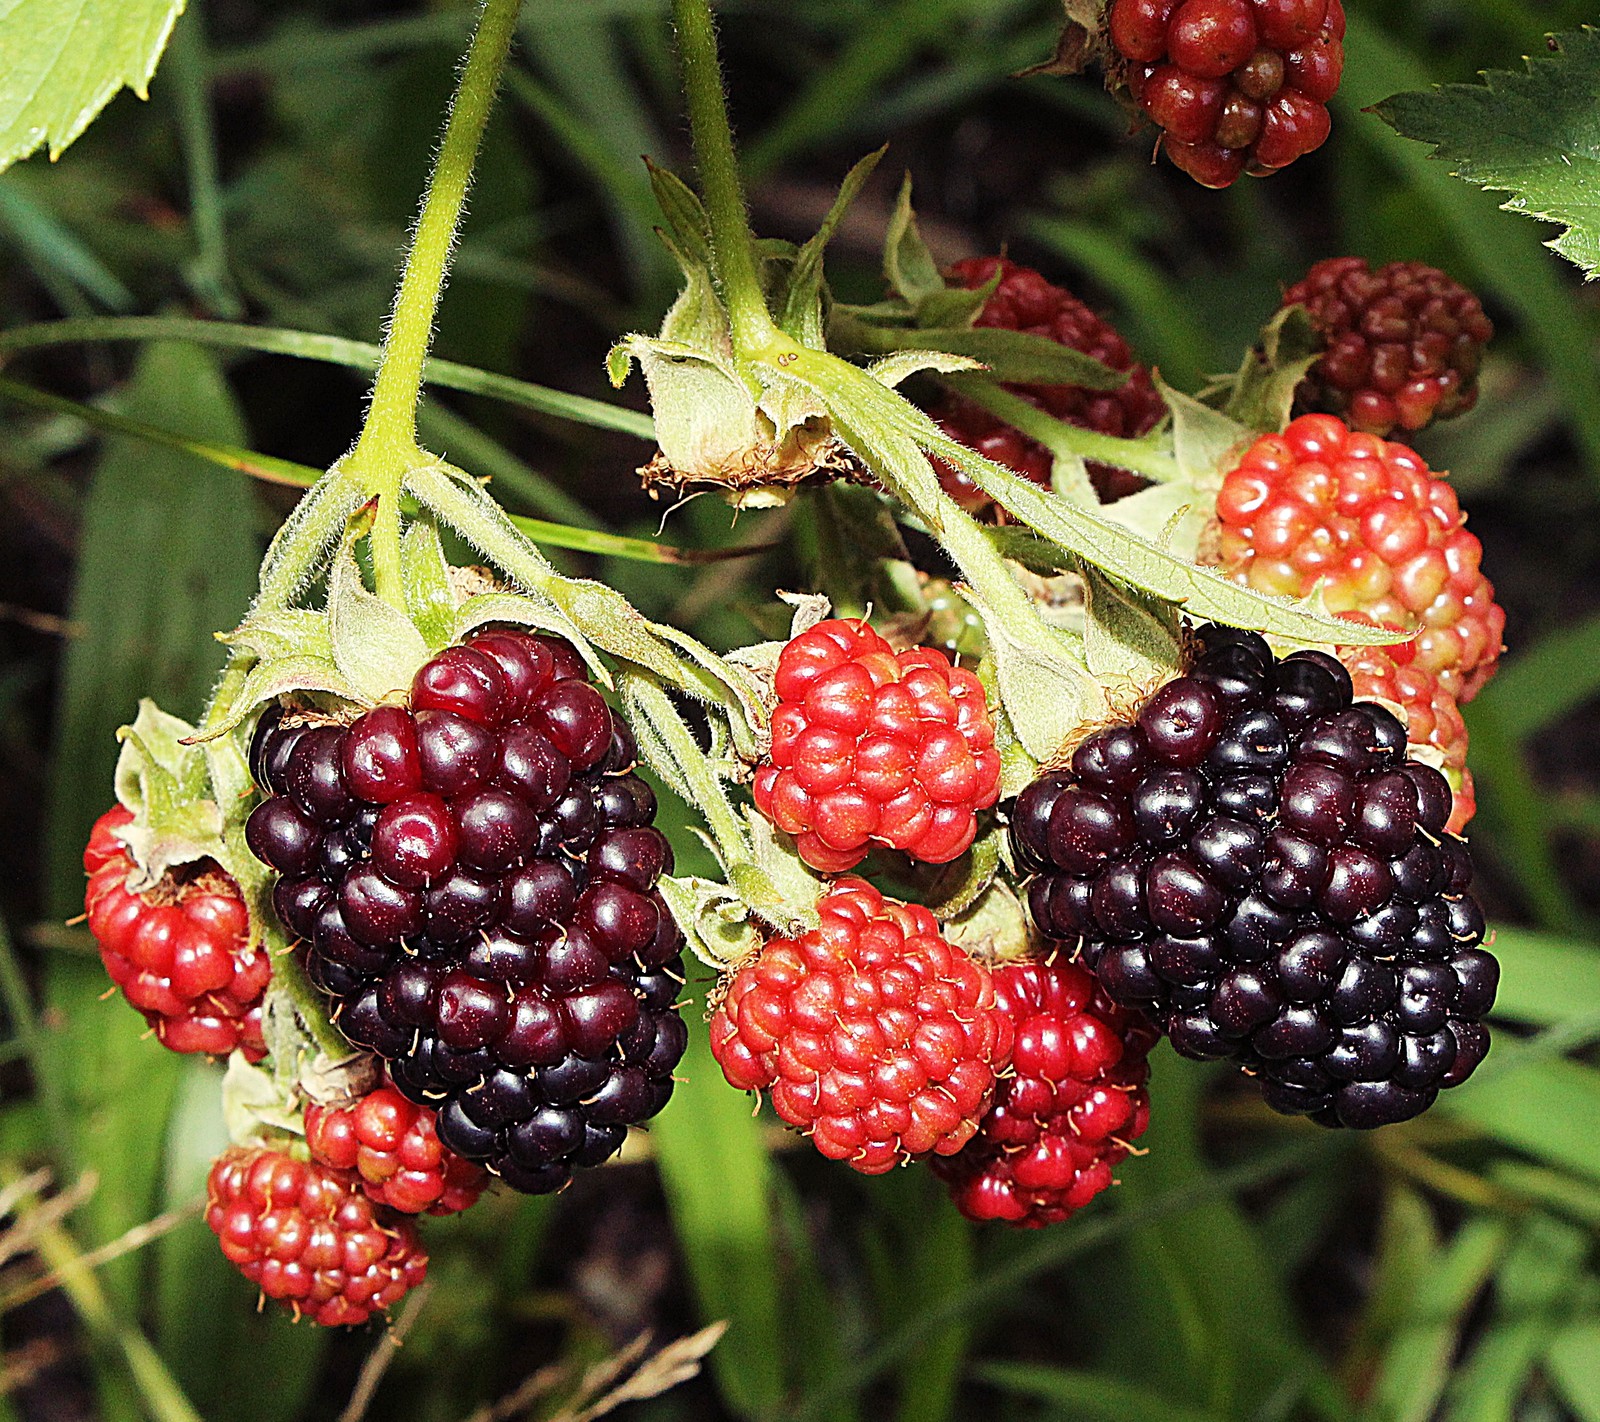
<point>387,446</point>
<point>1138,456</point>
<point>732,243</point>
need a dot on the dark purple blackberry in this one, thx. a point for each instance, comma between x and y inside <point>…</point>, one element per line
<point>1253,862</point>
<point>473,876</point>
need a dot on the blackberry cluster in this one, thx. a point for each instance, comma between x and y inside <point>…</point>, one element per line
<point>475,877</point>
<point>1403,343</point>
<point>1236,86</point>
<point>1255,863</point>
<point>1025,300</point>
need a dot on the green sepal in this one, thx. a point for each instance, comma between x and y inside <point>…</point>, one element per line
<point>908,265</point>
<point>165,781</point>
<point>376,647</point>
<point>425,573</point>
<point>800,304</point>
<point>993,927</point>
<point>1261,394</point>
<point>1129,639</point>
<point>959,884</point>
<point>716,922</point>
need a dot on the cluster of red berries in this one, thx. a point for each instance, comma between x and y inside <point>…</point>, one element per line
<point>1235,85</point>
<point>179,950</point>
<point>1025,301</point>
<point>1071,1107</point>
<point>873,746</point>
<point>1402,344</point>
<point>474,877</point>
<point>310,1237</point>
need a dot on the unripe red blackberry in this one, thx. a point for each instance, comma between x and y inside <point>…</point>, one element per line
<point>1368,521</point>
<point>1025,301</point>
<point>1074,1101</point>
<point>876,1037</point>
<point>873,746</point>
<point>475,875</point>
<point>1236,86</point>
<point>392,1146</point>
<point>180,950</point>
<point>309,1237</point>
<point>1254,862</point>
<point>1402,344</point>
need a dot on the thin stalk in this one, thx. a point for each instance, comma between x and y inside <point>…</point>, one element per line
<point>732,243</point>
<point>1138,456</point>
<point>387,446</point>
<point>208,273</point>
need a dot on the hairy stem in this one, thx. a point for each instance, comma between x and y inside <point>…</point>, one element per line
<point>732,243</point>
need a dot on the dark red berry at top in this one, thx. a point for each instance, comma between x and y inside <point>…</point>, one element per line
<point>308,1236</point>
<point>1368,523</point>
<point>1306,916</point>
<point>876,1037</point>
<point>1025,301</point>
<point>1067,1114</point>
<point>391,1144</point>
<point>1236,86</point>
<point>1402,344</point>
<point>179,950</point>
<point>873,746</point>
<point>474,882</point>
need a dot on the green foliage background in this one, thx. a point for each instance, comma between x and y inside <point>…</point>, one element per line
<point>1249,1267</point>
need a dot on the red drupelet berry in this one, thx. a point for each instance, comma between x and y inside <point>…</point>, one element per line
<point>1382,533</point>
<point>1064,1119</point>
<point>876,1037</point>
<point>1402,344</point>
<point>180,950</point>
<point>1025,301</point>
<point>309,1237</point>
<point>1236,86</point>
<point>873,746</point>
<point>392,1145</point>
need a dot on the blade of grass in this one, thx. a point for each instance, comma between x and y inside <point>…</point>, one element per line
<point>1545,980</point>
<point>209,273</point>
<point>1573,1363</point>
<point>51,244</point>
<point>1000,1283</point>
<point>1546,681</point>
<point>272,470</point>
<point>335,350</point>
<point>1564,1130</point>
<point>1089,1395</point>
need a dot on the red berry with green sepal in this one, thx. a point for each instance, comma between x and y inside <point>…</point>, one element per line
<point>179,950</point>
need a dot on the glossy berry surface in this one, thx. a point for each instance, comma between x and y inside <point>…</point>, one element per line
<point>1236,86</point>
<point>876,1037</point>
<point>1433,720</point>
<point>308,1237</point>
<point>1377,528</point>
<point>1255,863</point>
<point>474,877</point>
<point>180,950</point>
<point>1075,1099</point>
<point>1402,344</point>
<point>875,747</point>
<point>1025,301</point>
<point>392,1146</point>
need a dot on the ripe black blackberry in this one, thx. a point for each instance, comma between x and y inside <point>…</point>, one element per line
<point>1254,862</point>
<point>475,877</point>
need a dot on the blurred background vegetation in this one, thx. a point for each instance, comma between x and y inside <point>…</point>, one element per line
<point>1249,1267</point>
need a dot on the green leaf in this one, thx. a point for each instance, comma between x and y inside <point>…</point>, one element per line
<point>1565,1130</point>
<point>1424,1336</point>
<point>718,1180</point>
<point>65,62</point>
<point>1535,135</point>
<point>1573,1362</point>
<point>1545,980</point>
<point>1533,1296</point>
